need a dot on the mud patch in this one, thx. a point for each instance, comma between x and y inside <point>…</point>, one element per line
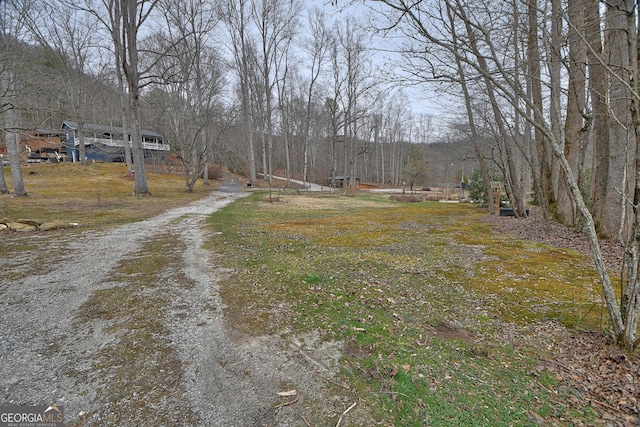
<point>449,331</point>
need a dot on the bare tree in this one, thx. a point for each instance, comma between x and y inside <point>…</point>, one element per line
<point>134,14</point>
<point>515,192</point>
<point>394,126</point>
<point>475,136</point>
<point>72,44</point>
<point>597,88</point>
<point>575,124</point>
<point>236,18</point>
<point>505,80</point>
<point>276,24</point>
<point>285,84</point>
<point>332,107</point>
<point>414,168</point>
<point>622,136</point>
<point>113,24</point>
<point>316,50</point>
<point>193,79</point>
<point>125,21</point>
<point>351,63</point>
<point>12,24</point>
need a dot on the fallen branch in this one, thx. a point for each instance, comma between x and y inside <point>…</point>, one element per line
<point>597,402</point>
<point>305,420</point>
<point>335,382</point>
<point>287,403</point>
<point>345,413</point>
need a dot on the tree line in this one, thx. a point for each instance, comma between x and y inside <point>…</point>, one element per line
<point>258,85</point>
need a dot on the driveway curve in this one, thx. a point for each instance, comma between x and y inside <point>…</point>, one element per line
<point>52,353</point>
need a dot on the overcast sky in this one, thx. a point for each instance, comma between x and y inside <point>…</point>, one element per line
<point>422,99</point>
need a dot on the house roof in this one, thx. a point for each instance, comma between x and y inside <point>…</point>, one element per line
<point>69,124</point>
<point>42,131</point>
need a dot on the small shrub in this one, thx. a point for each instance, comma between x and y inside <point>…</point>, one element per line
<point>477,189</point>
<point>215,172</point>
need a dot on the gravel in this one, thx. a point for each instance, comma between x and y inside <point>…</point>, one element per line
<point>50,356</point>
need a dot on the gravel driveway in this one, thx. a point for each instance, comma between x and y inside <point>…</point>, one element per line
<point>51,353</point>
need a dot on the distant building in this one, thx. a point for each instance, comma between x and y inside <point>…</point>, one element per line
<point>37,146</point>
<point>343,181</point>
<point>106,143</point>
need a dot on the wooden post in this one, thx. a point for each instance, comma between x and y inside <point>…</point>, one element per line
<point>496,186</point>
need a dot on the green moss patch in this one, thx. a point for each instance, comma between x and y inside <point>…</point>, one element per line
<point>435,310</point>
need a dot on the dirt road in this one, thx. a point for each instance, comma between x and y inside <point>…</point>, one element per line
<point>54,352</point>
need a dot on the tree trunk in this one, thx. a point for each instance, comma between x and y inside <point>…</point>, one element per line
<point>115,29</point>
<point>205,156</point>
<point>130,28</point>
<point>287,155</point>
<point>382,162</point>
<point>544,159</point>
<point>598,82</point>
<point>620,126</point>
<point>630,300</point>
<point>265,169</point>
<point>125,123</point>
<point>576,98</point>
<point>3,183</point>
<point>13,151</point>
<point>554,62</point>
<point>472,124</point>
<point>514,189</point>
<point>247,117</point>
<point>140,176</point>
<point>590,229</point>
<point>12,138</point>
<point>82,151</point>
<point>205,174</point>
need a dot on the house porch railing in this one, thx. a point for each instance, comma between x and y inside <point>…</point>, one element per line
<point>120,143</point>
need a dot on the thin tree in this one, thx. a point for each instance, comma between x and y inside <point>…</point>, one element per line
<point>515,192</point>
<point>276,24</point>
<point>236,18</point>
<point>114,26</point>
<point>192,78</point>
<point>475,136</point>
<point>353,63</point>
<point>316,50</point>
<point>125,20</point>
<point>12,24</point>
<point>134,14</point>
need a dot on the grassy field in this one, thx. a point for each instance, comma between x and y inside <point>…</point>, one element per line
<point>443,321</point>
<point>98,194</point>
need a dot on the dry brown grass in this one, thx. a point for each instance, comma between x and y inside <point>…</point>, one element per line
<point>94,195</point>
<point>319,201</point>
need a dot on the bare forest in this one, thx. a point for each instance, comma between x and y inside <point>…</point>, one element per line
<point>539,96</point>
